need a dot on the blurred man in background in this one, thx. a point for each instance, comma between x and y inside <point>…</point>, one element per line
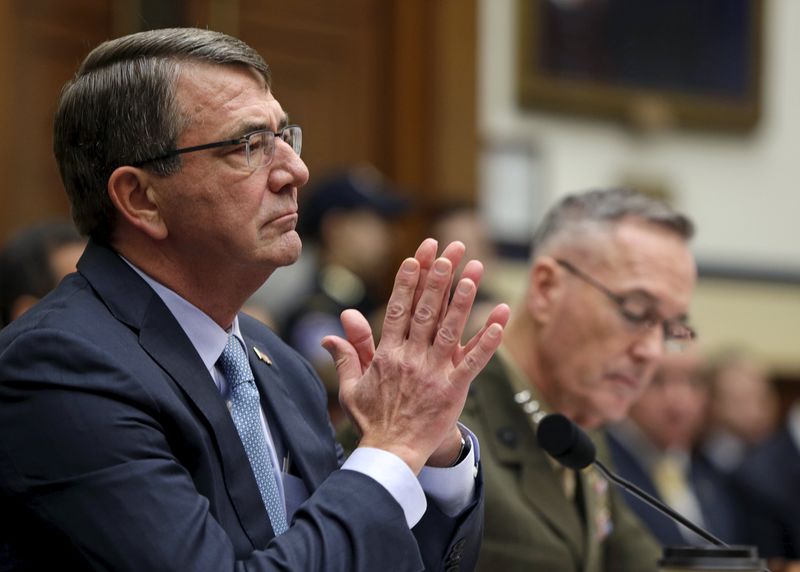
<point>33,262</point>
<point>656,450</point>
<point>744,408</point>
<point>609,285</point>
<point>768,481</point>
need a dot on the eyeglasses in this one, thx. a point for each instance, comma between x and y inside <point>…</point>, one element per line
<point>638,309</point>
<point>257,147</point>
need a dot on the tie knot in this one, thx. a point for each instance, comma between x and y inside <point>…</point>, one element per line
<point>233,363</point>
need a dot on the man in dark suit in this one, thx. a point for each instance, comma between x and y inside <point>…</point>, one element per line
<point>768,482</point>
<point>154,427</point>
<point>609,284</point>
<point>656,449</point>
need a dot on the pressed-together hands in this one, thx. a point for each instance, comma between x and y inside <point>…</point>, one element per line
<point>406,395</point>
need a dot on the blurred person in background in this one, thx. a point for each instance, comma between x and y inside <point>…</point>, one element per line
<point>744,408</point>
<point>33,262</point>
<point>656,449</point>
<point>768,482</point>
<point>347,216</point>
<point>609,285</point>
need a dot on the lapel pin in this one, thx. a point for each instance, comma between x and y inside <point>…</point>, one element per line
<point>262,356</point>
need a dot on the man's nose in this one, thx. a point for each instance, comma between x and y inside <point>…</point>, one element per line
<point>288,169</point>
<point>649,346</point>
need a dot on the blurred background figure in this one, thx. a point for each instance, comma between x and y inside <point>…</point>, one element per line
<point>744,408</point>
<point>33,262</point>
<point>768,482</point>
<point>656,450</point>
<point>347,217</point>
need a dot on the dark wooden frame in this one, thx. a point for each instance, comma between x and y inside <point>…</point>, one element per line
<point>538,90</point>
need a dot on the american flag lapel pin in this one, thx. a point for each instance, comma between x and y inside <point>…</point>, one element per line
<point>262,356</point>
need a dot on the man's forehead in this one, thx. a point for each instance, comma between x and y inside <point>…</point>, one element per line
<point>635,255</point>
<point>217,85</point>
<point>235,95</point>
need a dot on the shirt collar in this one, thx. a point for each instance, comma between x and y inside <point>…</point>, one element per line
<point>207,337</point>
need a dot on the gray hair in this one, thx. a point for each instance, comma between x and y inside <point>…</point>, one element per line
<point>605,207</point>
<point>121,108</point>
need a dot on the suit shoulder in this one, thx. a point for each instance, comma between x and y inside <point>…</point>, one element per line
<point>72,305</point>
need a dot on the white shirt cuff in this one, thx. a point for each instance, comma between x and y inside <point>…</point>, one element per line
<point>453,488</point>
<point>395,476</point>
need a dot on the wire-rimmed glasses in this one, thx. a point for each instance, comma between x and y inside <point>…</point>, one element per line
<point>639,310</point>
<point>257,147</point>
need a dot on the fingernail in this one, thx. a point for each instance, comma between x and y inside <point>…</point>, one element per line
<point>494,330</point>
<point>441,266</point>
<point>465,286</point>
<point>409,265</point>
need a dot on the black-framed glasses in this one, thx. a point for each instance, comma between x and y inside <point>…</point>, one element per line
<point>638,309</point>
<point>257,147</point>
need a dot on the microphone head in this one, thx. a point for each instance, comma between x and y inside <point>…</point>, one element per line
<point>565,442</point>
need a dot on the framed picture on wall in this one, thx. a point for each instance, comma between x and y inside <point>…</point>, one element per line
<point>653,63</point>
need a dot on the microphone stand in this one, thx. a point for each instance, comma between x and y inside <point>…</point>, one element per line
<point>636,491</point>
<point>650,499</point>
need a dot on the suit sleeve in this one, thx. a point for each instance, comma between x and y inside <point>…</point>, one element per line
<point>92,460</point>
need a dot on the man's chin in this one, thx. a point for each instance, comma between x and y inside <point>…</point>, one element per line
<point>617,411</point>
<point>288,251</point>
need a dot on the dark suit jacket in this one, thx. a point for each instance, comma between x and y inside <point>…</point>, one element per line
<point>769,484</point>
<point>530,523</point>
<point>118,453</point>
<point>721,510</point>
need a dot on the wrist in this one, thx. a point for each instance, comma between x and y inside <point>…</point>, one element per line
<point>466,447</point>
<point>452,452</point>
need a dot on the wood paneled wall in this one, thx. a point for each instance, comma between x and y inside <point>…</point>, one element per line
<point>391,82</point>
<point>44,42</point>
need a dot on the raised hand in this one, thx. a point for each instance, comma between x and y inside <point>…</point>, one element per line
<point>405,396</point>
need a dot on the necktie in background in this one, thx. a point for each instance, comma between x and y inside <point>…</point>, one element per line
<point>246,412</point>
<point>672,483</point>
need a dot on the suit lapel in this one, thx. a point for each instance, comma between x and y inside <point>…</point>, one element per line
<point>132,301</point>
<point>299,438</point>
<point>540,483</point>
<point>542,487</point>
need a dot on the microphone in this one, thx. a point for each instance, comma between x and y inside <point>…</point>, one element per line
<point>571,446</point>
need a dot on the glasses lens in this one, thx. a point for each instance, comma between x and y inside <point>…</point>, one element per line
<point>261,145</point>
<point>293,136</point>
<point>639,310</point>
<point>678,331</point>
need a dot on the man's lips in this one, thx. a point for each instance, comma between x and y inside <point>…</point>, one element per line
<point>630,381</point>
<point>286,217</point>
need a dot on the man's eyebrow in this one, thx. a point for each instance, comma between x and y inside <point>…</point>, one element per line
<point>248,127</point>
<point>683,318</point>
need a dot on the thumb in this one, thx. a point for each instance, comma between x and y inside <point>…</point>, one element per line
<point>345,358</point>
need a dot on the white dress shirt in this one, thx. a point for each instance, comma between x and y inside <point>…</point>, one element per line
<point>451,488</point>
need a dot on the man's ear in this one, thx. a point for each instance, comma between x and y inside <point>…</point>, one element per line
<point>545,288</point>
<point>136,201</point>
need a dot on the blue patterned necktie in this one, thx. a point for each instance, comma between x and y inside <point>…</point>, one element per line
<point>246,412</point>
